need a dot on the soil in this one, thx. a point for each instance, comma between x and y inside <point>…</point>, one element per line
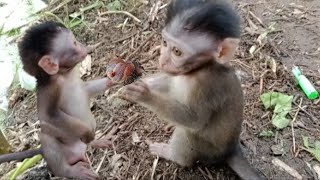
<point>294,40</point>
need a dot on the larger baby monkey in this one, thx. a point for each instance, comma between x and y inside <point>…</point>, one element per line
<point>197,89</point>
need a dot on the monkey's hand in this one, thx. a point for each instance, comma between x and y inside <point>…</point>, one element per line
<point>135,92</point>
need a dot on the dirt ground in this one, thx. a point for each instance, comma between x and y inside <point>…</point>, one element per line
<point>295,39</point>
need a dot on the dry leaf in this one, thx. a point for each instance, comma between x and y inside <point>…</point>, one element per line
<point>252,49</point>
<point>85,67</point>
<point>272,64</point>
<point>317,169</point>
<point>135,137</point>
<point>297,11</point>
<point>116,162</point>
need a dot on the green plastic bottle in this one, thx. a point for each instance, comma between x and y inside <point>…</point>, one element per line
<point>305,84</point>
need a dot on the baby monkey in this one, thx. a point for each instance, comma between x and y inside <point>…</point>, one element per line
<point>197,89</point>
<point>50,52</point>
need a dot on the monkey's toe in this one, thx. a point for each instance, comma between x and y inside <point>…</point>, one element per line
<point>81,170</point>
<point>101,143</point>
<point>160,149</point>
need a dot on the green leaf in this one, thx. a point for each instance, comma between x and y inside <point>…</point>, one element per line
<point>13,32</point>
<point>282,106</point>
<point>25,165</point>
<point>280,121</point>
<point>114,6</point>
<point>4,144</point>
<point>96,4</point>
<point>317,145</point>
<point>266,134</point>
<point>75,22</point>
<point>314,151</point>
<point>305,141</point>
<point>47,13</point>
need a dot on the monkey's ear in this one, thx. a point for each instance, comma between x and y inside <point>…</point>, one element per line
<point>226,50</point>
<point>48,64</point>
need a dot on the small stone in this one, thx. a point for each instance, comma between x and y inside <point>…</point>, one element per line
<point>277,149</point>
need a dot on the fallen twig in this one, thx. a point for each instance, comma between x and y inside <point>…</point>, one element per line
<point>313,118</point>
<point>102,160</point>
<point>256,18</point>
<point>286,168</point>
<point>154,11</point>
<point>317,170</point>
<point>292,129</point>
<point>126,37</point>
<point>121,12</point>
<point>141,45</point>
<point>154,166</point>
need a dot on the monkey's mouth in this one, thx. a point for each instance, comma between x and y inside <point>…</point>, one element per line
<point>172,70</point>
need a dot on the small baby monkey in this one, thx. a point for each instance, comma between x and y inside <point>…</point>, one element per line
<point>50,52</point>
<point>197,89</point>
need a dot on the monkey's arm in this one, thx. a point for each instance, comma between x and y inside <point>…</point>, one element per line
<point>165,107</point>
<point>172,110</point>
<point>158,82</point>
<point>56,122</point>
<point>98,86</point>
<point>62,125</point>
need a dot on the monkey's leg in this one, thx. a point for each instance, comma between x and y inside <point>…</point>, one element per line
<point>180,149</point>
<point>61,162</point>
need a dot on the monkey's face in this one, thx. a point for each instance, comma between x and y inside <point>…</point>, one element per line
<point>66,53</point>
<point>185,52</point>
<point>68,50</point>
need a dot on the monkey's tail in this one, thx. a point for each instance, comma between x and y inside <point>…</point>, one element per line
<point>241,166</point>
<point>18,156</point>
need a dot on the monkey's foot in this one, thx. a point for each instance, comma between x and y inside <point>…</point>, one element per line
<point>161,149</point>
<point>101,143</point>
<point>81,170</point>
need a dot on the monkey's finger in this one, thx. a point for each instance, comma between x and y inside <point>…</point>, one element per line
<point>141,83</point>
<point>111,83</point>
<point>139,87</point>
<point>130,96</point>
<point>135,88</point>
<point>82,171</point>
<point>160,149</point>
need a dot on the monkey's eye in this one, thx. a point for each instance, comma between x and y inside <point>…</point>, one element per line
<point>164,42</point>
<point>176,51</point>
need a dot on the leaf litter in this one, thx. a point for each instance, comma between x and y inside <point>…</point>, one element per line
<point>134,127</point>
